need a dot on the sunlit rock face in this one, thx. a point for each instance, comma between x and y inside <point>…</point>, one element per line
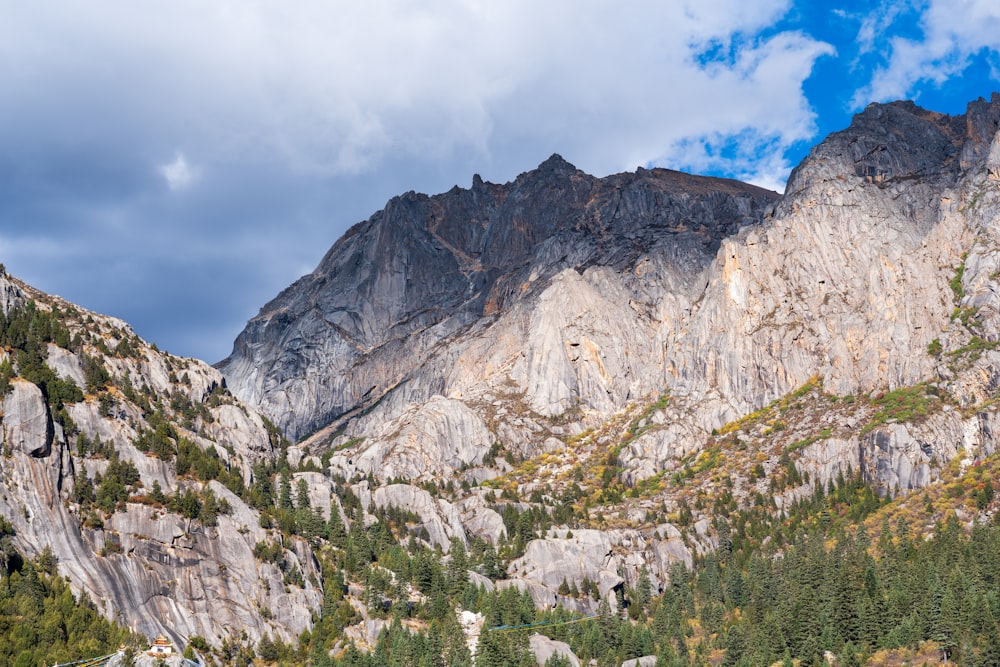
<point>144,565</point>
<point>498,311</point>
<point>451,337</point>
<point>558,288</point>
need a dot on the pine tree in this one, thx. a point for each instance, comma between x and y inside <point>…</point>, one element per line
<point>335,531</point>
<point>302,495</point>
<point>83,488</point>
<point>667,657</point>
<point>849,656</point>
<point>736,645</point>
<point>490,563</point>
<point>6,375</point>
<point>734,585</point>
<point>285,492</point>
<point>643,589</point>
<point>458,568</point>
<point>209,509</point>
<point>989,655</point>
<point>262,492</point>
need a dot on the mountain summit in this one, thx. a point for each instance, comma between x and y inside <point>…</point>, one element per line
<point>424,271</point>
<point>562,391</point>
<point>521,312</point>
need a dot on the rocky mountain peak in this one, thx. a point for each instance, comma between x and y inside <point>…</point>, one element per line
<point>517,312</point>
<point>426,268</point>
<point>899,140</point>
<point>556,164</point>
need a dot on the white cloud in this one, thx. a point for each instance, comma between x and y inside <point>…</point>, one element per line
<point>308,115</point>
<point>953,31</point>
<point>338,87</point>
<point>877,23</point>
<point>178,174</point>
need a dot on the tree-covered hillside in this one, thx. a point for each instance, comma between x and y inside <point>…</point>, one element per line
<point>764,555</point>
<point>41,621</point>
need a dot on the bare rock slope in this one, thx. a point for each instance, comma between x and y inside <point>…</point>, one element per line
<point>521,312</point>
<point>79,477</point>
<point>410,301</point>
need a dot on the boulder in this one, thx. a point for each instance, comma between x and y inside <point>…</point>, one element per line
<point>644,661</point>
<point>480,520</point>
<point>544,648</point>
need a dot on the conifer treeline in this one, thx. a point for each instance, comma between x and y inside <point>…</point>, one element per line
<point>41,622</point>
<point>824,590</point>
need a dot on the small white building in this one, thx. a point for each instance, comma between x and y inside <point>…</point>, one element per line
<point>161,648</point>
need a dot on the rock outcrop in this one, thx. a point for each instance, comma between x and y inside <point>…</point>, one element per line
<point>144,564</point>
<point>544,649</point>
<point>26,422</point>
<point>439,517</point>
<point>644,661</point>
<point>428,441</point>
<point>11,295</point>
<point>606,558</point>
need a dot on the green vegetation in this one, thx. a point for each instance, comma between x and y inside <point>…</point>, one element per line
<point>708,459</point>
<point>805,442</point>
<point>780,586</point>
<point>965,315</point>
<point>768,412</point>
<point>349,443</point>
<point>94,372</point>
<point>41,621</point>
<point>974,348</point>
<point>27,332</point>
<point>641,423</point>
<point>956,281</point>
<point>905,404</point>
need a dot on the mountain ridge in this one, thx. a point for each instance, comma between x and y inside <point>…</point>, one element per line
<point>121,461</point>
<point>485,251</point>
<point>847,277</point>
<point>573,389</point>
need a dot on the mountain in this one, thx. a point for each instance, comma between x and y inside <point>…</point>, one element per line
<point>131,468</point>
<point>561,320</point>
<point>687,406</point>
<point>400,297</point>
<point>524,313</point>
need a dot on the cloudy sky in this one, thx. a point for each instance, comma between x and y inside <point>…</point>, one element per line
<point>176,163</point>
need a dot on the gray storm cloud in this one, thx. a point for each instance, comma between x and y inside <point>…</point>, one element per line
<point>176,164</point>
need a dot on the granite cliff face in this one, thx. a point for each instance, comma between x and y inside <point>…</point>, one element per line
<point>503,309</point>
<point>848,278</point>
<point>417,285</point>
<point>145,564</point>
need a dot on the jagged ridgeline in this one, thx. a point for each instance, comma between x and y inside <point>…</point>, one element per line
<point>565,418</point>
